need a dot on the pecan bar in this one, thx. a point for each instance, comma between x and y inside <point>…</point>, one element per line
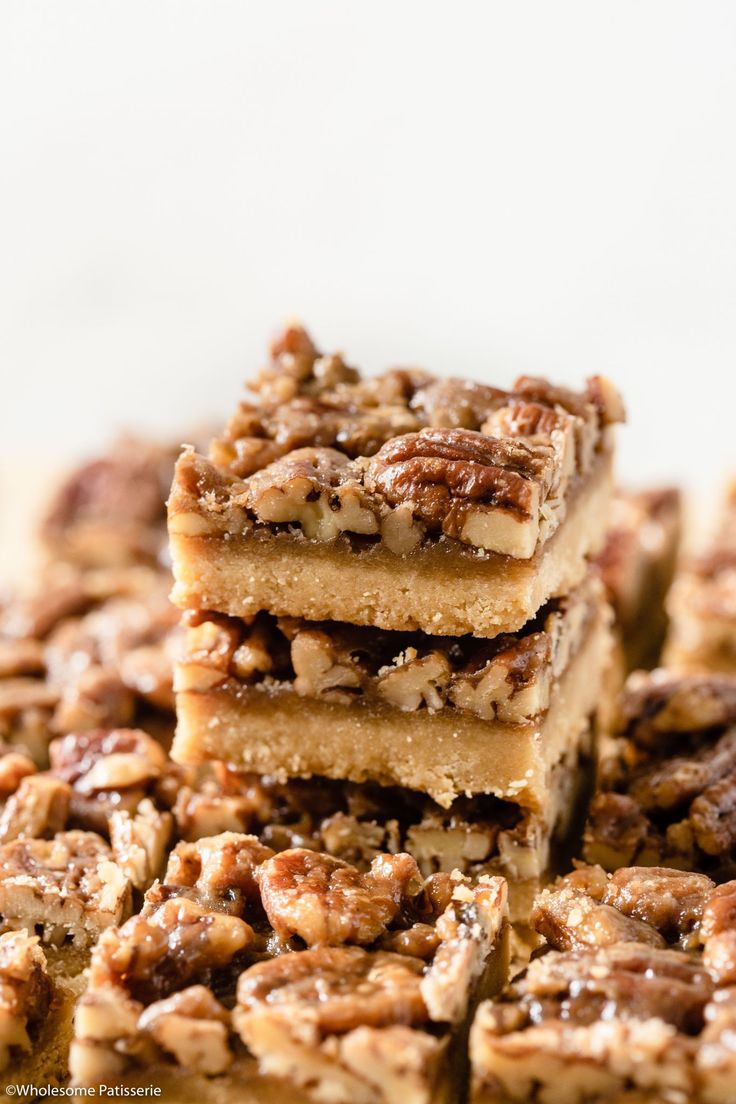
<point>632,1001</point>
<point>637,565</point>
<point>77,839</point>
<point>291,977</point>
<point>111,510</point>
<point>86,649</point>
<point>702,603</point>
<point>438,715</point>
<point>668,788</point>
<point>402,501</point>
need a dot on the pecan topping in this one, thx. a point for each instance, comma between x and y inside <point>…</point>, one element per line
<point>39,807</point>
<point>671,777</point>
<point>327,902</point>
<point>621,981</point>
<point>174,944</point>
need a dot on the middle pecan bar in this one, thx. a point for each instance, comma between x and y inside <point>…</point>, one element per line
<point>439,715</point>
<point>401,501</point>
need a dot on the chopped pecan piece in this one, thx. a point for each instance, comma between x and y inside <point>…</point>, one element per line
<point>571,921</point>
<point>224,870</point>
<point>322,669</point>
<point>671,901</point>
<point>109,771</point>
<point>680,779</point>
<point>415,680</point>
<point>192,1026</point>
<point>468,929</point>
<point>665,703</point>
<point>15,765</point>
<point>328,902</point>
<point>39,807</point>
<point>316,489</point>
<point>139,842</point>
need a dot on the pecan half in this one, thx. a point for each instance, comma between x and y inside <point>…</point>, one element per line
<point>325,901</point>
<point>333,990</point>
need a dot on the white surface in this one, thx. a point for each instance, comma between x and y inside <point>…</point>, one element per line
<point>477,187</point>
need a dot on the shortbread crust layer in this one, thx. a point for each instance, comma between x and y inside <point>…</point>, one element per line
<point>443,588</point>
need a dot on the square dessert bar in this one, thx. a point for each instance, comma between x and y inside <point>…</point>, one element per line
<point>668,781</point>
<point>86,650</point>
<point>444,716</point>
<point>402,501</point>
<point>702,603</point>
<point>634,1001</point>
<point>111,510</point>
<point>637,565</point>
<point>265,977</point>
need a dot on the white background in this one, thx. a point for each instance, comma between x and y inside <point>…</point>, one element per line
<point>480,188</point>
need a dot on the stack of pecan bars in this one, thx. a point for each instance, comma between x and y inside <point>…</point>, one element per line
<point>387,584</point>
<point>393,646</point>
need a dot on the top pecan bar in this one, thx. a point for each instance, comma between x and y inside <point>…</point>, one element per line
<point>402,458</point>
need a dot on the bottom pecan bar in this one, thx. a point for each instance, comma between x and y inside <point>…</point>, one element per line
<point>669,784</point>
<point>293,970</point>
<point>634,1001</point>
